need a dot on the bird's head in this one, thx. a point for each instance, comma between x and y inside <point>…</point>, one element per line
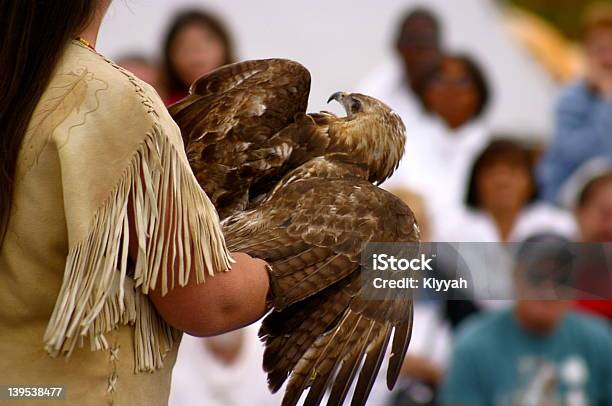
<point>371,132</point>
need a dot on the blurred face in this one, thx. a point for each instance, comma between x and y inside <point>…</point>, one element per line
<point>452,94</point>
<point>419,48</point>
<point>541,316</point>
<point>595,216</point>
<point>225,347</point>
<point>144,71</point>
<point>598,47</point>
<point>503,186</point>
<point>196,50</point>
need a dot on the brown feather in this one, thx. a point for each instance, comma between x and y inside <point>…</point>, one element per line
<point>297,190</point>
<point>323,224</point>
<point>231,122</point>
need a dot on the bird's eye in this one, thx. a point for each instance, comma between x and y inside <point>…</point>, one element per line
<point>356,106</point>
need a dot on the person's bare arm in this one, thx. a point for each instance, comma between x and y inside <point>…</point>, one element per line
<point>223,302</point>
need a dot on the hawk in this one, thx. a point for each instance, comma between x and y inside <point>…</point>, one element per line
<point>299,191</point>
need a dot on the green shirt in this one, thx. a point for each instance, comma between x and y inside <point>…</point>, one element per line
<point>496,362</point>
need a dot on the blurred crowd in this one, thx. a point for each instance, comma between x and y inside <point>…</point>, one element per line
<point>465,183</point>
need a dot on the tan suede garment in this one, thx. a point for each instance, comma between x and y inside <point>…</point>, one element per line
<point>73,311</point>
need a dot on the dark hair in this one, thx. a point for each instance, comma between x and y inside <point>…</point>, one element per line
<point>33,35</point>
<point>499,150</point>
<point>474,70</point>
<point>183,19</point>
<point>591,186</point>
<point>412,15</point>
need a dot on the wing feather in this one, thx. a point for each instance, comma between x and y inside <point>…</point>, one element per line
<point>289,333</point>
<point>322,333</point>
<point>372,363</point>
<point>232,124</point>
<point>401,339</point>
<point>259,157</point>
<point>346,336</point>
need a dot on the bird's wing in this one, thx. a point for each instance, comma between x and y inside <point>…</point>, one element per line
<point>230,120</point>
<point>322,333</point>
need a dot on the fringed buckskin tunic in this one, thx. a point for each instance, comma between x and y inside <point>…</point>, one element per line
<point>74,311</point>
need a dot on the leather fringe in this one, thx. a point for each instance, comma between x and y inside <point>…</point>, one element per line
<point>98,295</point>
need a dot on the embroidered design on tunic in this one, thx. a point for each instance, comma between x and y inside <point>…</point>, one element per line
<point>67,97</point>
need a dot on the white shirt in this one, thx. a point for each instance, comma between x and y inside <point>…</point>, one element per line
<point>431,336</point>
<point>199,379</point>
<point>436,164</point>
<point>536,218</point>
<point>478,226</point>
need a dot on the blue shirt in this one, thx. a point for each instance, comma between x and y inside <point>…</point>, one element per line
<point>496,362</point>
<point>583,131</point>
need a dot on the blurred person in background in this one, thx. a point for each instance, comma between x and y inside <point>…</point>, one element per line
<point>418,50</point>
<point>196,43</point>
<point>538,352</point>
<point>221,371</point>
<point>455,97</point>
<point>419,46</point>
<point>594,208</point>
<point>501,204</point>
<point>461,80</point>
<point>584,113</point>
<point>589,194</point>
<point>145,69</point>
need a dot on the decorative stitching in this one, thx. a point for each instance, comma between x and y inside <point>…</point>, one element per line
<point>114,376</point>
<point>145,99</point>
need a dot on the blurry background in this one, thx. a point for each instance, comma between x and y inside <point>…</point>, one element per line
<point>561,13</point>
<point>342,41</point>
<point>508,110</point>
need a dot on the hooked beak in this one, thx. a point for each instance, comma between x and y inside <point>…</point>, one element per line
<point>338,96</point>
<point>344,99</point>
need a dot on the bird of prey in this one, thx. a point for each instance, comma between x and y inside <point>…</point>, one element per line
<point>299,191</point>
